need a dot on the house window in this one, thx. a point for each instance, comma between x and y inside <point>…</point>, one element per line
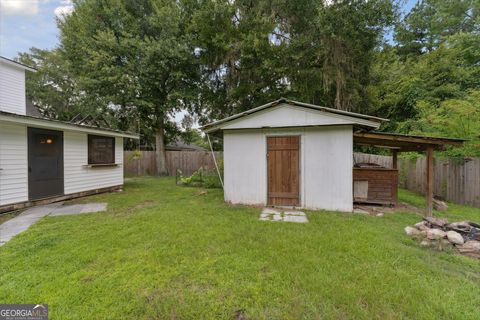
<point>101,150</point>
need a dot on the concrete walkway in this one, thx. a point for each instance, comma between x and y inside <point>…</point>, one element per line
<point>270,214</point>
<point>24,220</point>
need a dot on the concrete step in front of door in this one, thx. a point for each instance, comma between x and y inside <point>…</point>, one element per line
<point>270,214</point>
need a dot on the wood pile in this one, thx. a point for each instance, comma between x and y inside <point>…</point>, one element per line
<point>463,236</point>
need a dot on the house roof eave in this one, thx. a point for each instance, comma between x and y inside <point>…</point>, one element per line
<point>17,64</point>
<point>62,125</point>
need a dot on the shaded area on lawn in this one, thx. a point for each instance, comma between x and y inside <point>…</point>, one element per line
<point>455,211</point>
<point>163,251</point>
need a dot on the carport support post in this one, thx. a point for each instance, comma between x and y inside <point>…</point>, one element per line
<point>394,159</point>
<point>429,191</point>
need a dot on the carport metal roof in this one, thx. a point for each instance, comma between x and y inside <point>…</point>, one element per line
<point>403,142</point>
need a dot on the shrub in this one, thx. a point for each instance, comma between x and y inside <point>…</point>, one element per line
<point>202,178</point>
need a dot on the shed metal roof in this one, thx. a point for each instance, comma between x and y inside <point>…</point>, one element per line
<point>218,124</point>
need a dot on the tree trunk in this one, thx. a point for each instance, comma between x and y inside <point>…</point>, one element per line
<point>160,155</point>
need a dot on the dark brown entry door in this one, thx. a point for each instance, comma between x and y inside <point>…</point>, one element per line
<point>283,170</point>
<point>45,163</point>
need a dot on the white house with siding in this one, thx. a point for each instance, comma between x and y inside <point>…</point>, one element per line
<point>45,160</point>
<point>288,153</point>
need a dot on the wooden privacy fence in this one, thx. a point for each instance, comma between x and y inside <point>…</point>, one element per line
<point>187,161</point>
<point>455,179</point>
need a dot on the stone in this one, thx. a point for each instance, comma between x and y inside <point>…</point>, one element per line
<point>270,214</point>
<point>380,214</point>
<point>470,248</point>
<point>454,237</point>
<point>425,243</point>
<point>264,216</point>
<point>294,213</point>
<point>462,226</point>
<point>277,217</point>
<point>440,205</point>
<point>270,211</point>
<point>410,231</point>
<point>422,225</point>
<point>436,221</point>
<point>444,244</point>
<point>434,234</point>
<point>360,211</point>
<point>295,218</point>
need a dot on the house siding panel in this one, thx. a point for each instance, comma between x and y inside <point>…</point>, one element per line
<point>80,178</point>
<point>12,89</point>
<point>14,164</point>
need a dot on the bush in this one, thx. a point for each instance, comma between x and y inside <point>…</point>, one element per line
<point>202,178</point>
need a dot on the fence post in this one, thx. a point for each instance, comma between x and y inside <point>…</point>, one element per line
<point>429,182</point>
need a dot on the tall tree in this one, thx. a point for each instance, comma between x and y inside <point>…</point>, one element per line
<point>350,31</point>
<point>448,72</point>
<point>428,24</point>
<point>240,66</point>
<point>53,89</point>
<point>137,55</point>
<point>314,51</point>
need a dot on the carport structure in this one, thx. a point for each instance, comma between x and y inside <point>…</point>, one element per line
<point>408,143</point>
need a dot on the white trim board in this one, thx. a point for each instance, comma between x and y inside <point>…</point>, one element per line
<point>16,64</point>
<point>53,124</point>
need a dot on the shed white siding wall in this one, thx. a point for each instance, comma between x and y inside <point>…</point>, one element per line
<point>244,167</point>
<point>12,89</point>
<point>80,178</point>
<point>13,163</point>
<point>325,166</point>
<point>328,163</point>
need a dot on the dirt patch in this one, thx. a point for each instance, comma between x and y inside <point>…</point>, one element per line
<point>145,204</point>
<point>376,210</point>
<point>86,279</point>
<point>240,314</point>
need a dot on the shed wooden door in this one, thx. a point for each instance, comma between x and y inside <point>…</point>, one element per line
<point>283,154</point>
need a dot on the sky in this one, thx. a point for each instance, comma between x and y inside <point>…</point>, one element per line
<point>29,23</point>
<point>32,23</point>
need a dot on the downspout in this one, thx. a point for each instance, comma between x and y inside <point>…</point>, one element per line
<point>215,160</point>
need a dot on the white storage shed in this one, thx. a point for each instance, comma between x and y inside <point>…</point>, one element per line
<point>288,153</point>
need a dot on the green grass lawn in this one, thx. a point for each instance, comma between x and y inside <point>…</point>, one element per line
<point>168,252</point>
<point>455,212</point>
